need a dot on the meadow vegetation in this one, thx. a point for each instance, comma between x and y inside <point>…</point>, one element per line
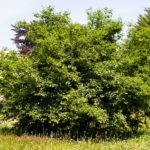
<point>32,142</point>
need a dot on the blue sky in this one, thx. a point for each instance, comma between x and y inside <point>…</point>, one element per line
<point>12,11</point>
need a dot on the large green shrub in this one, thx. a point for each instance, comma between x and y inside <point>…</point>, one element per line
<point>135,64</point>
<point>74,79</point>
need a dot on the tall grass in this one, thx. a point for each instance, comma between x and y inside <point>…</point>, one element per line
<point>24,142</point>
<point>10,141</point>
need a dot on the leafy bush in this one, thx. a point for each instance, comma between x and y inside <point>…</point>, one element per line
<point>73,78</point>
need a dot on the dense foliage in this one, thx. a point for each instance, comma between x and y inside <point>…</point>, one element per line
<point>76,77</point>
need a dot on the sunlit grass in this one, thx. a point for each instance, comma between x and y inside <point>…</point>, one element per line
<point>9,141</point>
<point>24,142</point>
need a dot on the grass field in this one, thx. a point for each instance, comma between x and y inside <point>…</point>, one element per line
<point>24,142</point>
<point>8,141</point>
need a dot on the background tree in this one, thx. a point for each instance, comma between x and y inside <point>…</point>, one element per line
<point>20,40</point>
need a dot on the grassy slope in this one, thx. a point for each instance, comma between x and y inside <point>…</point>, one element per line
<point>10,142</point>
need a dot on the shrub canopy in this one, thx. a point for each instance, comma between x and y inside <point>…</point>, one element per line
<point>76,77</point>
